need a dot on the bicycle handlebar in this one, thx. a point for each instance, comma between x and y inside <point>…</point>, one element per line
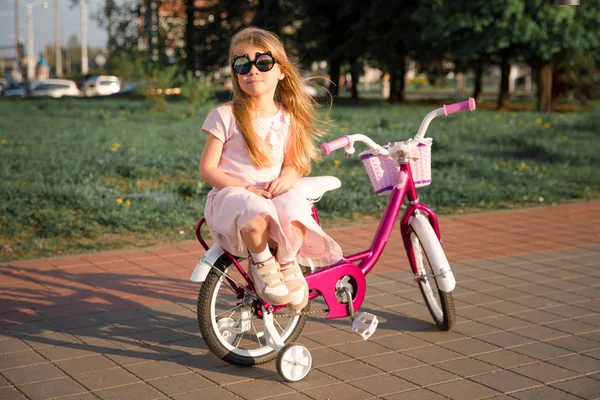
<point>456,107</point>
<point>348,140</point>
<point>327,148</point>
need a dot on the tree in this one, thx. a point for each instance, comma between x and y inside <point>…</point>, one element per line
<point>473,33</point>
<point>560,36</point>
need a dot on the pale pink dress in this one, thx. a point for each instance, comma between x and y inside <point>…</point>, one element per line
<point>231,208</point>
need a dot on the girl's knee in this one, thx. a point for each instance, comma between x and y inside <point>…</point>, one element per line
<point>257,224</point>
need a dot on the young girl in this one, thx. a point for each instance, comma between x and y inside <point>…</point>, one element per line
<point>258,146</point>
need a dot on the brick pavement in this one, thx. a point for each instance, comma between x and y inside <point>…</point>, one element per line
<point>122,325</point>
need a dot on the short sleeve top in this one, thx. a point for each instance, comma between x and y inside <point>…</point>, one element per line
<point>235,159</point>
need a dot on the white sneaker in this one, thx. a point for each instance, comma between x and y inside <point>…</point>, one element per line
<point>268,282</point>
<point>296,284</point>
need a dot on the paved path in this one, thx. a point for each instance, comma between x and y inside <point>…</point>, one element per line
<point>122,325</point>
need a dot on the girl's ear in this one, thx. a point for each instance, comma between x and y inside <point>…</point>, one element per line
<point>281,76</point>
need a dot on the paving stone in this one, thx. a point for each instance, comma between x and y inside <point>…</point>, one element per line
<point>470,346</point>
<point>541,351</point>
<point>432,354</point>
<point>232,374</point>
<point>575,343</point>
<point>543,393</point>
<point>579,363</point>
<point>178,384</point>
<point>213,393</point>
<point>82,365</point>
<point>540,333</point>
<point>505,381</point>
<point>381,385</point>
<point>51,389</point>
<point>338,391</point>
<point>572,326</point>
<point>257,388</point>
<point>426,375</point>
<point>10,393</point>
<point>137,391</point>
<point>12,345</point>
<point>392,361</point>
<point>106,378</point>
<point>467,367</point>
<point>350,370</point>
<point>401,342</point>
<point>333,337</point>
<point>134,356</point>
<point>474,328</point>
<point>584,387</point>
<point>545,372</point>
<point>506,322</point>
<point>361,349</point>
<point>20,359</point>
<point>326,356</point>
<point>314,379</point>
<point>156,369</point>
<point>57,353</point>
<point>505,339</point>
<point>33,373</point>
<point>463,390</point>
<point>418,394</point>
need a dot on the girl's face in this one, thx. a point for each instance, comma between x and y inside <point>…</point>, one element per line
<point>255,83</point>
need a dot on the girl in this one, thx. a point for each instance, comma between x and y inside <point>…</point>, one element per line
<point>258,146</point>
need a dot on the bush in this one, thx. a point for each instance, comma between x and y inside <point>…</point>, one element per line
<point>198,91</point>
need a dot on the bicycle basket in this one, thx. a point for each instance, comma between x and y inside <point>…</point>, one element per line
<point>383,170</point>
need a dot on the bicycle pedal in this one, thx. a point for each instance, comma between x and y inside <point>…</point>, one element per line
<point>364,325</point>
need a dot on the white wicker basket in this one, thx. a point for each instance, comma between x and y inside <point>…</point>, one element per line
<point>383,171</point>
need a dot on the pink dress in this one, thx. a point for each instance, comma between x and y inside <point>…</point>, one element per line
<point>231,208</point>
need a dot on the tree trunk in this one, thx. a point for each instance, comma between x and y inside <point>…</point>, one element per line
<point>393,78</point>
<point>190,34</point>
<point>401,97</point>
<point>544,97</point>
<point>354,75</point>
<point>478,91</point>
<point>504,95</point>
<point>334,74</point>
<point>557,88</point>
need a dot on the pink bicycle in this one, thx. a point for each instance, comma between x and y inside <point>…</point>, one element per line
<point>242,329</point>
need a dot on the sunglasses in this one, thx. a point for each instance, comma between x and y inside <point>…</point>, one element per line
<point>263,62</point>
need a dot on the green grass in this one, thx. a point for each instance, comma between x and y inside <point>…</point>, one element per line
<point>84,175</point>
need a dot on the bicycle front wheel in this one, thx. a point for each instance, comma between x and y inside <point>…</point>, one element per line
<point>229,323</point>
<point>440,304</point>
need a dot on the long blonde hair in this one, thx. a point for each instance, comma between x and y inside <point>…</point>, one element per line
<point>290,92</point>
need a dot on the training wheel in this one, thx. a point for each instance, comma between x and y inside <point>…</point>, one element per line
<point>294,362</point>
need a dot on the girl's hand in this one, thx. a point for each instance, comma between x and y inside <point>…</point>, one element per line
<point>278,186</point>
<point>259,192</point>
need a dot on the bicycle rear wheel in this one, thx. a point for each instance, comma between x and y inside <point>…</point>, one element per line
<point>229,322</point>
<point>440,304</point>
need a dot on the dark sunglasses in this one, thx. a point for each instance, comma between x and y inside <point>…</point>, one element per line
<point>263,62</point>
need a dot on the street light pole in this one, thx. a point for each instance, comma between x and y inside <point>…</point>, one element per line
<point>84,37</point>
<point>57,44</point>
<point>17,49</point>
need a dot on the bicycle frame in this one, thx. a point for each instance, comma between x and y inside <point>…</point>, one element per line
<point>322,282</point>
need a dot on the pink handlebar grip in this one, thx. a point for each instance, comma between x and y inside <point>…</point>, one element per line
<point>327,148</point>
<point>463,105</point>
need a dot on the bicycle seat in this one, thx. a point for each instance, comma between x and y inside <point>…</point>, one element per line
<point>314,187</point>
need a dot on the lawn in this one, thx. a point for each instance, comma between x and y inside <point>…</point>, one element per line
<point>84,175</point>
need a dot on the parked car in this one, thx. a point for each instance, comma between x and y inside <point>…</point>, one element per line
<point>55,88</point>
<point>19,89</point>
<point>3,86</point>
<point>102,85</point>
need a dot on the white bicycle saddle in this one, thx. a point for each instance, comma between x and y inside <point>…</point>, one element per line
<point>313,187</point>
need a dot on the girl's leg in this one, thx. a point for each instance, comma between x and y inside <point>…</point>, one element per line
<point>292,273</point>
<point>264,269</point>
<point>255,236</point>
